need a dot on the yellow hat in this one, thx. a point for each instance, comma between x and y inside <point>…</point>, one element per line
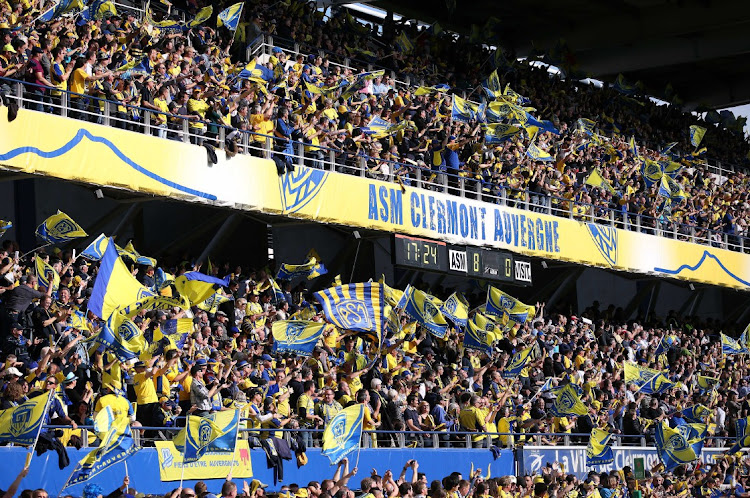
<point>538,479</point>
<point>9,48</point>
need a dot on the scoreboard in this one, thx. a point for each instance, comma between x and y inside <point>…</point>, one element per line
<point>474,262</point>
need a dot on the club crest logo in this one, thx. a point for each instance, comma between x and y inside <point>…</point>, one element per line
<point>352,314</point>
<point>451,305</point>
<point>676,442</point>
<point>20,420</point>
<point>299,187</point>
<point>127,331</point>
<point>62,228</point>
<point>506,303</point>
<point>430,311</point>
<point>605,239</point>
<point>204,433</point>
<point>294,332</point>
<point>338,429</point>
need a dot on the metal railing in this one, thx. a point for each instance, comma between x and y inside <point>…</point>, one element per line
<point>413,439</point>
<point>196,131</point>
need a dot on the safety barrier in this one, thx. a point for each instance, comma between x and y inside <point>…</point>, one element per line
<point>192,130</point>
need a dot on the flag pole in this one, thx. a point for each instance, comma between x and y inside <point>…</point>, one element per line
<point>184,452</point>
<point>29,456</point>
<point>35,249</point>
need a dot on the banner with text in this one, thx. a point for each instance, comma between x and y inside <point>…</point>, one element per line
<point>210,466</point>
<point>106,156</point>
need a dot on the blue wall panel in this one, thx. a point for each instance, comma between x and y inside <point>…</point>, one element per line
<point>143,468</point>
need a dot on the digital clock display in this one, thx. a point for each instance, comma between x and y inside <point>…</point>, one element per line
<point>420,253</point>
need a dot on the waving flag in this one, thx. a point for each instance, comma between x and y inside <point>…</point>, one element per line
<point>59,228</point>
<point>359,307</point>
<point>310,270</point>
<point>671,189</point>
<point>731,346</point>
<point>638,374</point>
<point>194,440</point>
<point>742,431</point>
<point>202,16</point>
<point>475,334</point>
<point>114,286</point>
<point>227,422</point>
<point>568,403</point>
<point>46,275</point>
<point>498,303</point>
<point>297,336</point>
<point>456,309</point>
<point>211,304</point>
<point>497,133</point>
<point>197,287</point>
<point>463,110</point>
<point>672,447</point>
<point>598,452</point>
<point>695,435</point>
<point>256,71</point>
<point>278,294</point>
<point>95,250</point>
<point>706,383</point>
<point>517,363</point>
<point>230,17</point>
<point>534,152</point>
<point>633,147</point>
<point>665,344</point>
<point>392,295</point>
<point>116,446</point>
<point>651,171</point>
<point>421,307</point>
<point>595,179</point>
<point>99,9</point>
<point>5,226</point>
<point>696,135</point>
<point>20,424</point>
<point>657,384</point>
<point>122,337</point>
<point>172,333</point>
<point>343,433</point>
<point>404,44</point>
<point>696,413</point>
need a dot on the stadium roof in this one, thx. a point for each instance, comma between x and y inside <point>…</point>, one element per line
<point>701,47</point>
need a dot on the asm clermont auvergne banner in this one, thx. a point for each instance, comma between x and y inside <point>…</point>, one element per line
<point>105,156</point>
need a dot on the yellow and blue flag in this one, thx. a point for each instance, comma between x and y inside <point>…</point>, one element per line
<point>672,447</point>
<point>122,337</point>
<point>638,374</point>
<point>359,307</point>
<point>742,431</point>
<point>59,228</point>
<point>421,307</point>
<point>585,125</point>
<point>534,152</point>
<point>153,302</point>
<point>517,363</point>
<point>696,413</point>
<point>463,110</point>
<point>731,346</point>
<point>228,423</point>
<point>429,90</point>
<point>99,9</point>
<point>202,16</point>
<point>95,250</point>
<point>230,17</point>
<point>5,226</point>
<point>514,96</point>
<point>475,334</point>
<point>598,451</point>
<point>665,344</point>
<point>568,403</point>
<point>78,321</point>
<point>116,446</point>
<point>20,424</point>
<point>256,71</point>
<point>498,303</point>
<point>497,133</point>
<point>706,383</point>
<point>404,43</point>
<point>696,135</point>
<point>115,286</point>
<point>173,333</point>
<point>492,86</point>
<point>651,171</point>
<point>297,336</point>
<point>196,287</point>
<point>670,168</point>
<point>309,270</point>
<point>456,308</point>
<point>278,294</point>
<point>391,294</point>
<point>694,434</point>
<point>633,147</point>
<point>196,438</point>
<point>671,189</point>
<point>211,304</point>
<point>657,384</point>
<point>623,86</point>
<point>46,275</point>
<point>343,433</point>
<point>595,179</point>
<point>744,339</point>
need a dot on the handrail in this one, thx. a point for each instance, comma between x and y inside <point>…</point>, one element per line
<point>455,184</point>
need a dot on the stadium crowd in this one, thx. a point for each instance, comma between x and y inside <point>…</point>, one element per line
<point>197,75</point>
<point>432,388</point>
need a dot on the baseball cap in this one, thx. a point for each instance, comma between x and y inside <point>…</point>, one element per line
<point>9,48</point>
